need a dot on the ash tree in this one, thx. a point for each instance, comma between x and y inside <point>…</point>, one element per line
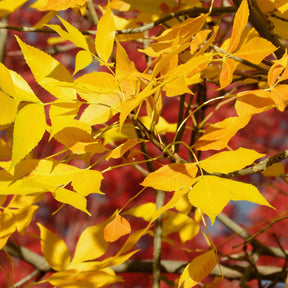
<point>168,99</point>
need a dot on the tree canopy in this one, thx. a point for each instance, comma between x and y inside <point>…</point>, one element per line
<point>170,115</point>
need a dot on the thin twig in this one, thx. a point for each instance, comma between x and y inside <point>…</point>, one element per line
<point>193,12</point>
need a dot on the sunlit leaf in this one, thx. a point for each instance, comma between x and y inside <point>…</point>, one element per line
<point>30,125</point>
<point>72,34</point>
<point>90,245</point>
<point>126,72</point>
<point>54,249</point>
<point>105,35</point>
<point>253,102</point>
<point>8,109</point>
<point>144,211</point>
<point>198,269</point>
<point>51,75</point>
<point>255,50</point>
<point>7,221</point>
<point>226,74</point>
<point>86,182</point>
<point>69,197</point>
<point>117,228</point>
<point>57,5</point>
<point>239,24</point>
<point>7,6</point>
<point>230,160</point>
<point>71,279</point>
<point>211,194</point>
<point>119,151</point>
<point>83,59</point>
<point>219,134</point>
<point>280,96</point>
<point>172,202</point>
<point>131,104</point>
<point>182,223</point>
<point>275,170</point>
<point>23,217</point>
<point>171,177</point>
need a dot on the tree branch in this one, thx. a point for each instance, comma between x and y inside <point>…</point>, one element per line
<point>193,12</point>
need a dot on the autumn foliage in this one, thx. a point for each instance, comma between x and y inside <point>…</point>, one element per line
<point>165,115</point>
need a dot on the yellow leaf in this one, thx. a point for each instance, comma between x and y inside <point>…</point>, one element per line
<point>45,19</point>
<point>183,205</point>
<point>54,249</point>
<point>239,24</point>
<point>275,170</point>
<point>230,161</point>
<point>69,197</point>
<point>227,70</point>
<point>182,223</point>
<point>72,34</point>
<point>144,211</point>
<point>131,241</point>
<point>117,228</point>
<point>95,84</point>
<point>281,5</point>
<point>91,245</point>
<point>119,151</point>
<point>57,5</point>
<point>30,125</point>
<point>23,217</point>
<point>71,279</point>
<point>22,91</point>
<point>83,59</point>
<point>105,35</point>
<point>126,72</point>
<point>131,104</point>
<point>7,222</point>
<point>115,134</point>
<point>8,109</point>
<point>62,116</point>
<point>162,125</point>
<point>217,136</point>
<point>252,102</point>
<point>177,87</point>
<point>7,6</point>
<point>211,194</point>
<point>86,182</point>
<point>171,177</point>
<point>255,50</point>
<point>22,201</point>
<point>198,269</point>
<point>280,96</point>
<point>51,75</point>
<point>172,203</point>
<point>104,109</point>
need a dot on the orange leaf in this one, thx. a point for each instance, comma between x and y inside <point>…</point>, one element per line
<point>198,269</point>
<point>226,74</point>
<point>240,21</point>
<point>219,134</point>
<point>255,50</point>
<point>171,177</point>
<point>117,228</point>
<point>279,95</point>
<point>253,102</point>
